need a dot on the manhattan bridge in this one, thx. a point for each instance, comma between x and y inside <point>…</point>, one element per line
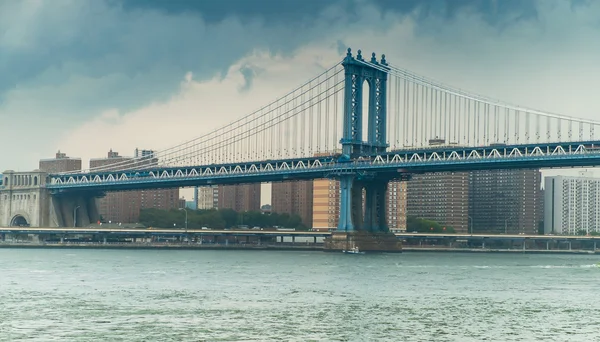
<point>364,122</point>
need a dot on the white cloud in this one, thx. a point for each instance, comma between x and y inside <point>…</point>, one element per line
<point>198,107</point>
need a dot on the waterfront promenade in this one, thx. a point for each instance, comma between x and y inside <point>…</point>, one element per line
<point>205,239</point>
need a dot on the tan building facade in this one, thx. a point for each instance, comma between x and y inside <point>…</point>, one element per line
<point>326,204</point>
<point>60,163</point>
<point>441,197</point>
<point>396,206</point>
<point>293,197</point>
<point>240,197</point>
<point>125,206</point>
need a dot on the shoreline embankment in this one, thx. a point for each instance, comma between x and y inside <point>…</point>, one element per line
<point>315,248</point>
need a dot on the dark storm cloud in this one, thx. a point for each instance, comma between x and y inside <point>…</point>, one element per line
<point>278,11</point>
<point>151,43</point>
<point>126,53</point>
<point>215,11</point>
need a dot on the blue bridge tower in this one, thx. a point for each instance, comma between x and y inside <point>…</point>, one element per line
<point>354,144</point>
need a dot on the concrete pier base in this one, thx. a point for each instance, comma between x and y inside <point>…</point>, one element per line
<point>365,241</point>
<point>75,210</point>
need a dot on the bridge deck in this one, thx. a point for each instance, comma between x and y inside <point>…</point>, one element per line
<point>396,163</point>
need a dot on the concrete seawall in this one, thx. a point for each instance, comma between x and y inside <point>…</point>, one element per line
<point>158,246</point>
<point>318,248</point>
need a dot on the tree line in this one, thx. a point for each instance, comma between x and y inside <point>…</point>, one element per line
<point>218,219</point>
<point>420,225</point>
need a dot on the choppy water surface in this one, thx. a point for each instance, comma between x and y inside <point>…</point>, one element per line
<point>120,295</point>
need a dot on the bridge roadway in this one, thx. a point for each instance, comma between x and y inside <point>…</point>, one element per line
<point>400,162</point>
<point>277,233</point>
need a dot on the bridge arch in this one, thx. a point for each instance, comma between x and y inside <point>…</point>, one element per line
<point>366,98</point>
<point>19,221</point>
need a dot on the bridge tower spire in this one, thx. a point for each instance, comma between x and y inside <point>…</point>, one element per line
<point>357,73</point>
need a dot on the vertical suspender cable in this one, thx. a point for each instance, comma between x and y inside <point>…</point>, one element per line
<point>327,131</point>
<point>318,123</point>
<point>469,102</point>
<point>445,115</point>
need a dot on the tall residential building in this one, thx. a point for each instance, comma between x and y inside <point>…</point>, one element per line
<point>505,201</point>
<point>208,197</point>
<point>571,205</point>
<point>61,163</point>
<point>125,206</point>
<point>293,197</point>
<point>240,197</point>
<point>326,204</point>
<point>396,206</point>
<point>441,197</point>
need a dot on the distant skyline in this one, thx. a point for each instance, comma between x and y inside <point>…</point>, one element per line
<point>87,76</point>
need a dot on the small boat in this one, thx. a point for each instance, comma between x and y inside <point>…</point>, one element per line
<point>354,250</point>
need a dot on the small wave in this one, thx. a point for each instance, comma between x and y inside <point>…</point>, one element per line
<point>565,266</point>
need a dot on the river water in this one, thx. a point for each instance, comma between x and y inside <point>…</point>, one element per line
<point>133,295</point>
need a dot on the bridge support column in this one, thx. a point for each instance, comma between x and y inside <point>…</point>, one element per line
<point>345,223</point>
<point>73,210</point>
<point>375,220</point>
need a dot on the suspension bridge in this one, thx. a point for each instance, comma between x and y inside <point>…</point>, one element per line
<point>364,122</point>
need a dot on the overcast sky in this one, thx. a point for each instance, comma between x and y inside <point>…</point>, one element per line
<point>87,76</point>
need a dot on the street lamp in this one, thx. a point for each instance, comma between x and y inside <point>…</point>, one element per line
<point>185,210</point>
<point>506,225</point>
<point>471,223</point>
<point>75,216</point>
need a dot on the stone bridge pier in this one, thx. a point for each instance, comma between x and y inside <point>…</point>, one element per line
<point>25,201</point>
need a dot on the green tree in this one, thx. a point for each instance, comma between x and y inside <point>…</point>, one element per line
<point>230,217</point>
<point>420,225</point>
